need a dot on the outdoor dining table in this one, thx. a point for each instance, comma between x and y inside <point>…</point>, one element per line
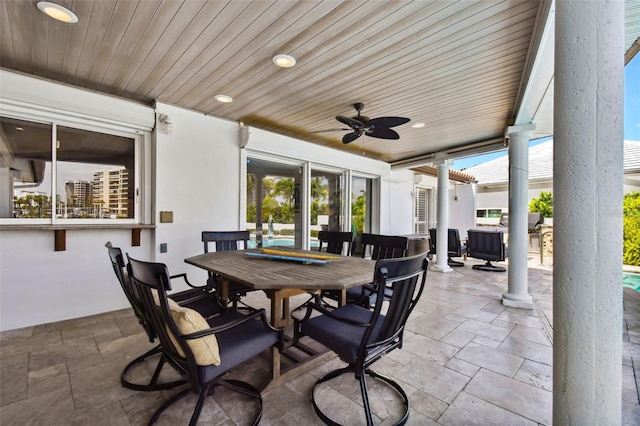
<point>281,279</point>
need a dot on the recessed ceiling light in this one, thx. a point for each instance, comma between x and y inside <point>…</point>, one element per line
<point>20,129</point>
<point>57,12</point>
<point>284,61</point>
<point>225,99</point>
<point>418,125</point>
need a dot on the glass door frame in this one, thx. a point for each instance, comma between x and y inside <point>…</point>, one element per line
<point>304,191</point>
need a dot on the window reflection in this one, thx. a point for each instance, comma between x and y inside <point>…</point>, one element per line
<point>94,172</point>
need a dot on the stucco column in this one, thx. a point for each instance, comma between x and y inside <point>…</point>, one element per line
<point>442,225</point>
<point>517,294</point>
<point>587,196</point>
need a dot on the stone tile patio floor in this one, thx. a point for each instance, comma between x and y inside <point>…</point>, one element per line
<point>466,360</point>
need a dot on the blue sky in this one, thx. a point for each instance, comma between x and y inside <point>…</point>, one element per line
<point>631,116</point>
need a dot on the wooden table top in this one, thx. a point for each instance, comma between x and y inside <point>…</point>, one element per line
<point>271,274</point>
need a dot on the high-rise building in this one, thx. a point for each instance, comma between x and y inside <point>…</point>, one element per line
<point>110,191</point>
<point>78,192</point>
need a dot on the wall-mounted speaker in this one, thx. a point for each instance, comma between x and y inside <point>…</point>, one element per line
<point>243,135</point>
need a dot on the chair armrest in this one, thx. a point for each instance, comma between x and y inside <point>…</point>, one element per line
<point>184,276</point>
<point>233,323</point>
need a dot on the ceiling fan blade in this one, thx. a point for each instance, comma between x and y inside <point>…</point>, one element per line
<point>382,133</point>
<point>387,121</point>
<point>350,137</point>
<point>354,124</point>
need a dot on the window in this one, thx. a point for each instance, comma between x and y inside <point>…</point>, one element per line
<point>421,213</point>
<point>60,173</point>
<point>489,216</point>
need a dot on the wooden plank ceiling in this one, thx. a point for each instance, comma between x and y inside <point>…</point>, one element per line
<point>455,65</point>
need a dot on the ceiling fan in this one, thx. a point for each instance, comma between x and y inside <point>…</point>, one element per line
<point>375,127</point>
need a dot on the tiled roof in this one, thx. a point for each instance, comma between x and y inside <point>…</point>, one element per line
<point>455,175</point>
<point>496,171</point>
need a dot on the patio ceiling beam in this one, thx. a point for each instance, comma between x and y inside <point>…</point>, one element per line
<point>538,73</point>
<point>461,151</point>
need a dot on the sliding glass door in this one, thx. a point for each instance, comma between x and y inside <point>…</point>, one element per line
<point>362,197</point>
<point>274,203</point>
<point>327,191</point>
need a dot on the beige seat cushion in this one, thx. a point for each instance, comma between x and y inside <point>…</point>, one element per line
<point>205,349</point>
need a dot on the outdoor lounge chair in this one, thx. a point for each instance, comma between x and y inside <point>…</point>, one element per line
<point>361,336</point>
<point>534,225</point>
<point>486,245</point>
<point>455,246</point>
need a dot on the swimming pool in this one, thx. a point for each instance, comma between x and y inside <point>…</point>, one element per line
<point>631,280</point>
<point>281,242</point>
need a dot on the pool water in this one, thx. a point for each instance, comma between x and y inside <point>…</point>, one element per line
<point>631,280</point>
<point>281,242</point>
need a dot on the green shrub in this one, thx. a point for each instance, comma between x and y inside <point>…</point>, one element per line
<point>631,229</point>
<point>544,204</point>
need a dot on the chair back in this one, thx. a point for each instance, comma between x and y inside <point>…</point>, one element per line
<point>149,278</point>
<point>335,242</point>
<point>406,278</point>
<point>120,269</point>
<point>534,221</point>
<point>454,244</point>
<point>384,246</point>
<point>225,240</point>
<point>487,245</point>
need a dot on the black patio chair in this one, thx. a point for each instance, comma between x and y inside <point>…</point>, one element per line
<point>379,247</point>
<point>360,336</point>
<point>489,246</point>
<point>226,241</point>
<point>202,349</point>
<point>455,246</point>
<point>195,298</point>
<point>335,242</point>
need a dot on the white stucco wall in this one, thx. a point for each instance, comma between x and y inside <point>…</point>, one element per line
<point>398,206</point>
<point>194,172</point>
<point>462,202</point>
<point>197,169</point>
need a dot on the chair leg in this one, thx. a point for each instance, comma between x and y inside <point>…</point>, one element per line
<point>198,409</point>
<point>168,403</point>
<point>245,389</point>
<point>365,399</point>
<point>234,385</point>
<point>365,395</point>
<point>153,384</point>
<point>490,267</point>
<point>452,262</point>
<point>398,389</point>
